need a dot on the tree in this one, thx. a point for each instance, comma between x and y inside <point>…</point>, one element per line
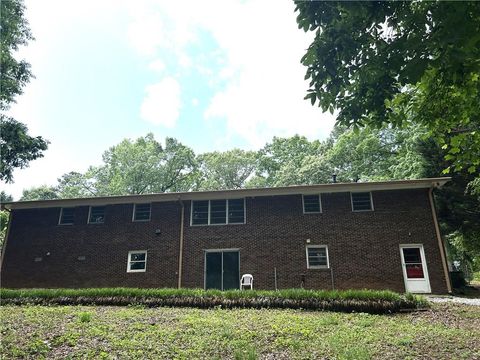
<point>43,192</point>
<point>399,62</point>
<point>284,153</point>
<point>134,167</point>
<point>226,170</point>
<point>144,166</point>
<point>16,146</point>
<point>4,197</point>
<point>76,185</point>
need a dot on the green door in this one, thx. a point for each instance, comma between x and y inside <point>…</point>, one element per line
<point>222,270</point>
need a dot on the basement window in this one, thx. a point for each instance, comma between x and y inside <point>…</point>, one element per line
<point>96,215</point>
<point>137,261</point>
<point>218,212</point>
<point>141,212</point>
<point>312,204</point>
<point>317,257</point>
<point>66,216</point>
<point>361,201</point>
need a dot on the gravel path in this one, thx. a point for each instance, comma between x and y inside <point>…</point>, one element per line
<point>453,299</point>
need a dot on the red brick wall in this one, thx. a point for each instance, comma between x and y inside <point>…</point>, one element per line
<point>363,246</point>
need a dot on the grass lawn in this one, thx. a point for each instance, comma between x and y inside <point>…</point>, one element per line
<point>445,331</point>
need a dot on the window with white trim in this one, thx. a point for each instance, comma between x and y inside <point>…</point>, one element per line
<point>312,204</point>
<point>317,257</point>
<point>96,215</point>
<point>137,261</point>
<point>361,201</point>
<point>141,212</point>
<point>66,216</point>
<point>218,212</point>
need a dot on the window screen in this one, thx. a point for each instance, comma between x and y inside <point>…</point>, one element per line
<point>137,261</point>
<point>218,212</point>
<point>311,204</point>
<point>142,212</point>
<point>97,215</point>
<point>66,216</point>
<point>361,201</point>
<point>200,212</point>
<point>236,211</point>
<point>317,257</point>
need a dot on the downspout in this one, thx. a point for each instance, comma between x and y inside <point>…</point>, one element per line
<point>7,232</point>
<point>180,255</point>
<point>441,244</point>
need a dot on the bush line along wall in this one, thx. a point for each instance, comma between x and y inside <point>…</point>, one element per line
<point>377,302</point>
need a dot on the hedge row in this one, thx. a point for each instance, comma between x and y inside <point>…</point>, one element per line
<point>377,302</point>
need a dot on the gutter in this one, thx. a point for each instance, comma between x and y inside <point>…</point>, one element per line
<point>180,255</point>
<point>441,244</point>
<point>231,194</point>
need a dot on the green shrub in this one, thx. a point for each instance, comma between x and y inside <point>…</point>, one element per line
<point>85,317</point>
<point>371,301</point>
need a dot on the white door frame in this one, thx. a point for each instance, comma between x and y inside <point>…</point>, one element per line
<point>424,267</point>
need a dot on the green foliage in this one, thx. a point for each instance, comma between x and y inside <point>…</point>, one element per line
<point>4,217</point>
<point>85,317</point>
<point>14,33</point>
<point>399,62</point>
<point>43,192</point>
<point>144,166</point>
<point>16,146</point>
<point>345,301</point>
<point>187,333</point>
<point>282,158</point>
<point>226,170</point>
<point>4,197</point>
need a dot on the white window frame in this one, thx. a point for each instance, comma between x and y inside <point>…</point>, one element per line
<point>371,201</point>
<point>226,213</point>
<point>149,215</point>
<point>319,201</point>
<point>61,214</point>
<point>90,213</point>
<point>317,266</point>
<point>129,261</point>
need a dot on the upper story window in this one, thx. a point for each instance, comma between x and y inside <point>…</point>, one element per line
<point>142,212</point>
<point>96,215</point>
<point>317,257</point>
<point>137,261</point>
<point>66,216</point>
<point>218,212</point>
<point>362,201</point>
<point>312,204</point>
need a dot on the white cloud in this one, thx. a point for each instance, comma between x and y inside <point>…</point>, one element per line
<point>265,87</point>
<point>161,105</point>
<point>157,66</point>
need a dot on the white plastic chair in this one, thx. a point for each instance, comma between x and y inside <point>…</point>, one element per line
<point>247,280</point>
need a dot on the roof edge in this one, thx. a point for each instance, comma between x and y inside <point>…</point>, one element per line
<point>219,194</point>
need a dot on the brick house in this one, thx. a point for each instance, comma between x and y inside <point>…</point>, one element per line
<point>379,235</point>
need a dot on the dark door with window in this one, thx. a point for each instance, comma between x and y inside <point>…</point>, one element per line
<point>222,270</point>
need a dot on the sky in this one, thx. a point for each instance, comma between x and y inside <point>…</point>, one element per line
<point>213,74</point>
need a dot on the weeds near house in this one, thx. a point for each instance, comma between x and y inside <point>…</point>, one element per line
<point>446,331</point>
<point>369,301</point>
<point>85,317</point>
